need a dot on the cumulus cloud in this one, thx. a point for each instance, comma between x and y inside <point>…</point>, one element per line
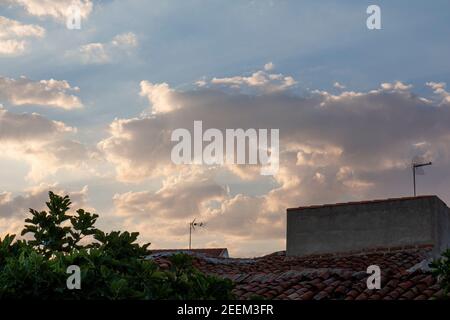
<point>26,126</point>
<point>56,9</point>
<point>333,148</point>
<point>35,197</point>
<point>134,147</point>
<point>102,53</point>
<point>50,93</point>
<point>439,89</point>
<point>246,217</point>
<point>125,40</point>
<point>263,80</point>
<point>160,96</point>
<point>13,28</point>
<point>321,122</point>
<point>339,85</point>
<point>42,143</point>
<point>269,66</point>
<point>398,86</point>
<point>13,35</point>
<point>14,208</point>
<point>179,197</point>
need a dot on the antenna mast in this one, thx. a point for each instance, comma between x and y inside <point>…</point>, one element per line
<point>192,226</point>
<point>417,168</point>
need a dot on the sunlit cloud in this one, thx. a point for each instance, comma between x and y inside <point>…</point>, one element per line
<point>14,35</point>
<point>103,53</point>
<point>49,93</point>
<point>332,147</point>
<point>263,80</point>
<point>55,9</point>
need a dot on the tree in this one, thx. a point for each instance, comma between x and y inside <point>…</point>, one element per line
<point>441,269</point>
<point>113,265</point>
<point>51,230</point>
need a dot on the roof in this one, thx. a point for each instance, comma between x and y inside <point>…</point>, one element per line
<point>213,252</point>
<point>277,276</point>
<point>362,202</point>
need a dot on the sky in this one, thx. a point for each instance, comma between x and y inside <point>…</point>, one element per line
<point>89,112</point>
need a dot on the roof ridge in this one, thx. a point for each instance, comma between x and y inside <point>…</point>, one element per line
<point>193,249</point>
<point>362,202</point>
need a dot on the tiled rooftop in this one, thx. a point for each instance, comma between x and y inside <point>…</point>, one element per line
<point>342,276</point>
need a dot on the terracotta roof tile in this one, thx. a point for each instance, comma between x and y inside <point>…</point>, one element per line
<point>276,276</point>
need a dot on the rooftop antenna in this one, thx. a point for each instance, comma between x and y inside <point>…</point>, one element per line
<point>192,226</point>
<point>417,165</point>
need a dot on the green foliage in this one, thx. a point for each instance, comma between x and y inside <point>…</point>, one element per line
<point>51,230</point>
<point>441,270</point>
<point>189,283</point>
<point>9,248</point>
<point>120,244</point>
<point>112,264</point>
<point>29,275</point>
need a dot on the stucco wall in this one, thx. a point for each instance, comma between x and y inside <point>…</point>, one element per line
<point>359,226</point>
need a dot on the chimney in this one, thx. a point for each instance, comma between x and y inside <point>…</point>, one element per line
<point>361,226</point>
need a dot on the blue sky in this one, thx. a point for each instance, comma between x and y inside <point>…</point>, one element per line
<point>317,43</point>
<point>182,41</point>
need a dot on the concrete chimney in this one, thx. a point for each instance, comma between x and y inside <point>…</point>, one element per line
<point>360,226</point>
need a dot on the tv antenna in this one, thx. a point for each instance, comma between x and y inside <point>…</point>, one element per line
<point>192,226</point>
<point>417,165</point>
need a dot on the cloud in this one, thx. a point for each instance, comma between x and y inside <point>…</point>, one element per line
<point>43,144</point>
<point>160,96</point>
<point>338,85</point>
<point>13,28</point>
<point>11,47</point>
<point>13,34</point>
<point>28,127</point>
<point>35,197</point>
<point>15,208</point>
<point>262,80</point>
<point>50,93</point>
<point>243,216</point>
<point>130,144</point>
<point>125,40</point>
<point>179,197</point>
<point>134,147</point>
<point>56,9</point>
<point>398,86</point>
<point>103,53</point>
<point>94,53</point>
<point>439,89</point>
<point>269,66</point>
<point>167,211</point>
<point>333,148</point>
<point>201,83</point>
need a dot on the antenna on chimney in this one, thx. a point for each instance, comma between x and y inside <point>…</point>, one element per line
<point>192,226</point>
<point>417,165</point>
